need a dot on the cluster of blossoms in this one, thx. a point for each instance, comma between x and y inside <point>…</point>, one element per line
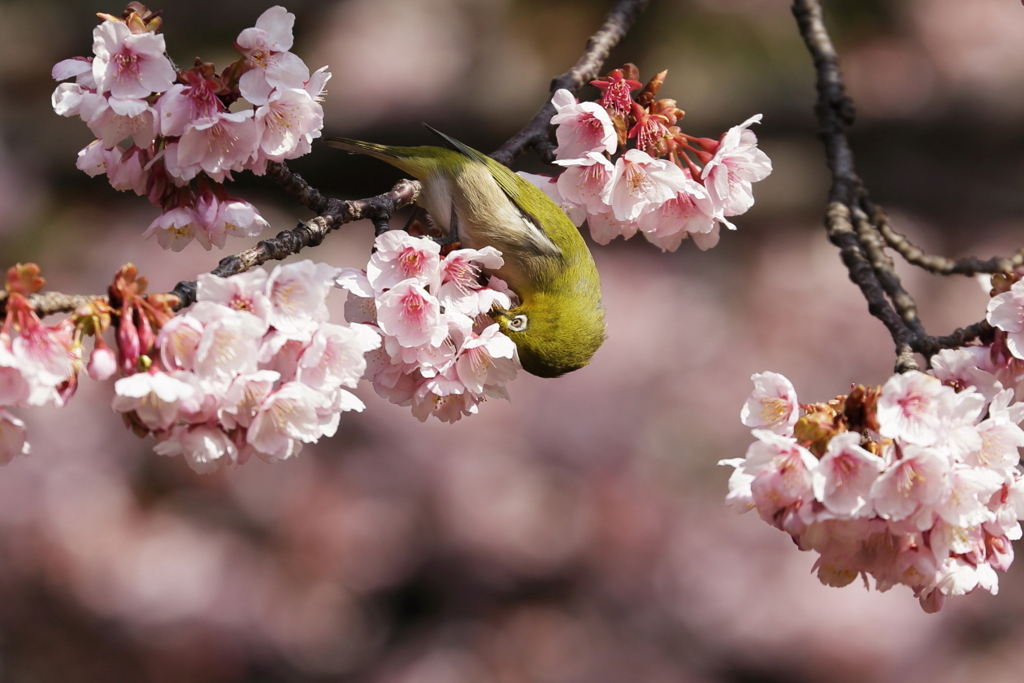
<point>654,186</point>
<point>442,354</point>
<point>915,482</point>
<point>38,364</point>
<point>253,366</point>
<point>159,129</point>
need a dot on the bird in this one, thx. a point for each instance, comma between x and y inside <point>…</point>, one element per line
<point>558,324</point>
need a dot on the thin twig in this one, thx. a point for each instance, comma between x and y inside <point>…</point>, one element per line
<point>940,265</point>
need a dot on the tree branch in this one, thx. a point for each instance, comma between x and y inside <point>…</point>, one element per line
<point>861,229</point>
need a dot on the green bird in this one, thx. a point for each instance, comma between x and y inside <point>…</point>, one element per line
<point>559,323</point>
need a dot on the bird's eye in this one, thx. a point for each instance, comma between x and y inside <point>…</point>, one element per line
<point>518,323</point>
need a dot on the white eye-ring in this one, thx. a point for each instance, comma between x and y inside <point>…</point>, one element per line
<point>518,323</point>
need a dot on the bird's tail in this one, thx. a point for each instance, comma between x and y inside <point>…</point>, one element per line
<point>416,161</point>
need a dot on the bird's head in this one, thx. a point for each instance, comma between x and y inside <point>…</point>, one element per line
<point>554,335</point>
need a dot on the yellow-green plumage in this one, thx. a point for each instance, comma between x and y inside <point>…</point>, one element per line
<point>547,263</point>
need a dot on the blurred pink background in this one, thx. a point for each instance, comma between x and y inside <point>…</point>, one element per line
<point>578,533</point>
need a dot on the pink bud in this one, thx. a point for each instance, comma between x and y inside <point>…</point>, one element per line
<point>102,363</point>
<point>146,335</point>
<point>128,343</point>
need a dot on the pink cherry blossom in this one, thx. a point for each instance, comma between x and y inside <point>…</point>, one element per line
<point>486,359</point>
<point>178,340</point>
<point>586,180</point>
<point>918,478</point>
<point>412,315</point>
<point>297,293</point>
<point>737,163</point>
<point>128,172</point>
<point>102,364</point>
<point>690,212</point>
<point>400,256</point>
<point>915,407</point>
<point>581,127</point>
<point>968,492</point>
<point>41,353</point>
<point>239,218</point>
<point>70,68</point>
<point>242,292</point>
<point>773,405</point>
<point>182,104</point>
<point>113,119</point>
<point>285,420</point>
<point>67,99</point>
<point>967,366</point>
<point>15,387</point>
<point>782,473</point>
<point>173,229</point>
<point>641,183</point>
<point>287,123</point>
<point>179,173</point>
<point>220,143</point>
<point>266,48</point>
<point>1006,312</point>
<point>129,65</point>
<point>335,356</point>
<point>156,398</point>
<point>604,227</point>
<point>94,159</point>
<point>843,478</point>
<point>205,448</point>
<point>229,344</point>
<point>243,397</point>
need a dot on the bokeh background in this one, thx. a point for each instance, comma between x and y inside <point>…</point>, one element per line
<point>578,532</point>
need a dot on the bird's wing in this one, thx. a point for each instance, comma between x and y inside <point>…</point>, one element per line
<point>514,188</point>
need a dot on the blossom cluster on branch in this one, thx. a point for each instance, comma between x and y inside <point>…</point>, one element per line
<point>442,354</point>
<point>915,482</point>
<point>254,366</point>
<point>175,136</point>
<point>653,186</point>
<point>38,363</point>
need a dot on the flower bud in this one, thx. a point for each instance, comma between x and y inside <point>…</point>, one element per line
<point>102,364</point>
<point>128,343</point>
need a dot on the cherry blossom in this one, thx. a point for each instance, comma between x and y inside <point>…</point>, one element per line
<point>773,404</point>
<point>129,65</point>
<point>844,477</point>
<point>690,212</point>
<point>737,163</point>
<point>581,127</point>
<point>441,355</point>
<point>911,483</point>
<point>266,48</point>
<point>1006,312</point>
<point>915,407</point>
<point>641,182</point>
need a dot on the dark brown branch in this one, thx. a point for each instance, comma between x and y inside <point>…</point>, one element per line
<point>874,249</point>
<point>861,229</point>
<point>308,233</point>
<point>536,133</point>
<point>834,111</point>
